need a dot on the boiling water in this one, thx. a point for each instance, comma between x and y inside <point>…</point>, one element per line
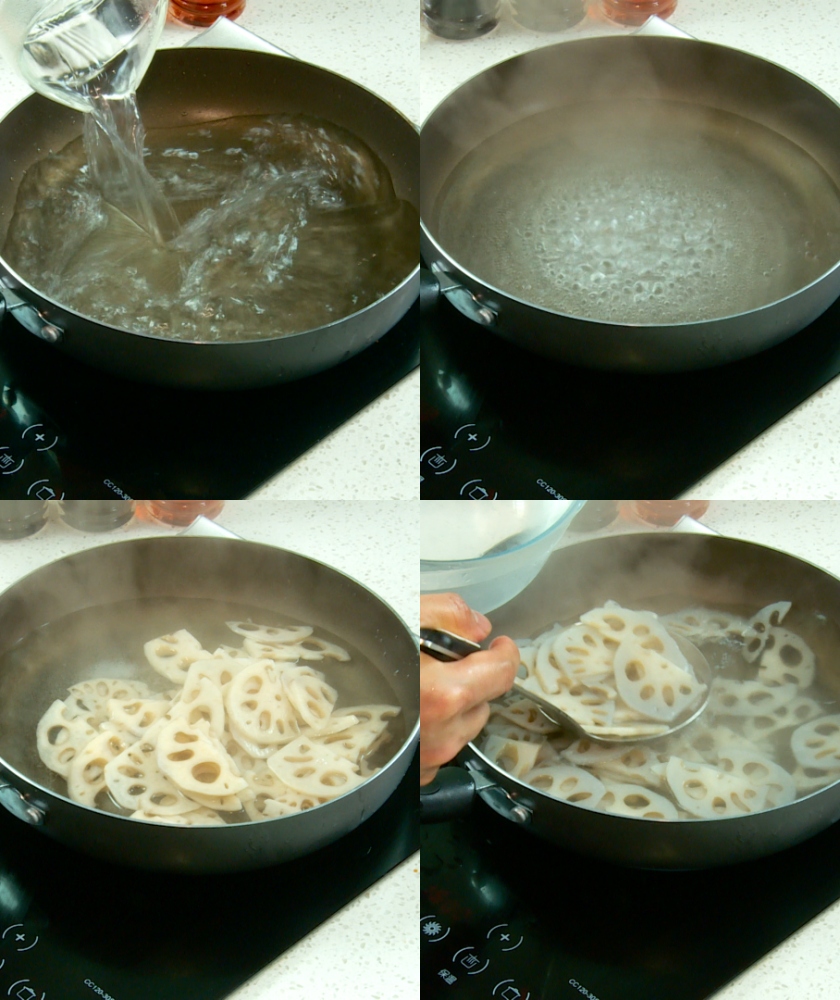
<point>641,212</point>
<point>287,223</point>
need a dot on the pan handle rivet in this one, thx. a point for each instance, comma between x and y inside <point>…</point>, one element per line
<point>51,334</point>
<point>17,805</point>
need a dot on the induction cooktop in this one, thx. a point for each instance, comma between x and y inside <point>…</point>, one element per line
<point>498,422</point>
<point>507,916</point>
<point>68,431</point>
<point>73,928</point>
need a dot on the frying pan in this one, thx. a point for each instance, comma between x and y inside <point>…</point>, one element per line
<point>188,86</point>
<point>757,161</point>
<point>86,613</point>
<point>660,572</point>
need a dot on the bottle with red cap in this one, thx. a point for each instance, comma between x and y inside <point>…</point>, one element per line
<point>634,12</point>
<point>202,15</point>
<point>180,513</point>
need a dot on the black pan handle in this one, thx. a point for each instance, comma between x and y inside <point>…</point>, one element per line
<point>449,796</point>
<point>452,792</point>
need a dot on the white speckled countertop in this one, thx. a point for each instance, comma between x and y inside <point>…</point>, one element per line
<point>806,964</point>
<point>800,35</point>
<point>369,950</point>
<point>376,46</point>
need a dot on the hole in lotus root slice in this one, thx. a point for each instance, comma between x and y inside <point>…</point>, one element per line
<point>137,783</point>
<point>60,738</point>
<point>172,655</point>
<point>817,743</point>
<point>749,698</point>
<point>271,634</point>
<point>201,816</point>
<point>707,792</point>
<point>759,769</point>
<point>136,715</point>
<point>801,709</point>
<point>89,699</point>
<point>625,799</point>
<point>310,695</point>
<point>652,685</point>
<point>512,756</point>
<point>759,628</point>
<point>786,659</point>
<point>259,708</point>
<point>311,768</point>
<point>86,778</point>
<point>197,762</point>
<point>567,782</point>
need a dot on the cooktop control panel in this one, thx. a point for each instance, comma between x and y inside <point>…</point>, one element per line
<point>506,915</point>
<point>499,422</point>
<point>76,928</point>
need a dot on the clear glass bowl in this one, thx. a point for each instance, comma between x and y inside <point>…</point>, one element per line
<point>488,550</point>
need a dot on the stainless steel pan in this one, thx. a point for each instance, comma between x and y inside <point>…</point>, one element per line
<point>187,86</point>
<point>662,572</point>
<point>757,142</point>
<point>78,616</point>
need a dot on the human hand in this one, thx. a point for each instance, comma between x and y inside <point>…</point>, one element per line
<point>454,696</point>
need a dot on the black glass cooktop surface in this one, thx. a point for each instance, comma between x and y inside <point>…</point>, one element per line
<point>508,916</point>
<point>68,430</point>
<point>497,421</point>
<point>72,928</point>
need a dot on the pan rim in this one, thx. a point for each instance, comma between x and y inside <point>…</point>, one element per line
<point>689,326</point>
<point>406,284</point>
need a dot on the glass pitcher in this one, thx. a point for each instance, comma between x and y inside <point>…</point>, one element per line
<point>71,50</point>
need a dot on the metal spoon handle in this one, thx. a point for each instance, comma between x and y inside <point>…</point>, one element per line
<point>446,646</point>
